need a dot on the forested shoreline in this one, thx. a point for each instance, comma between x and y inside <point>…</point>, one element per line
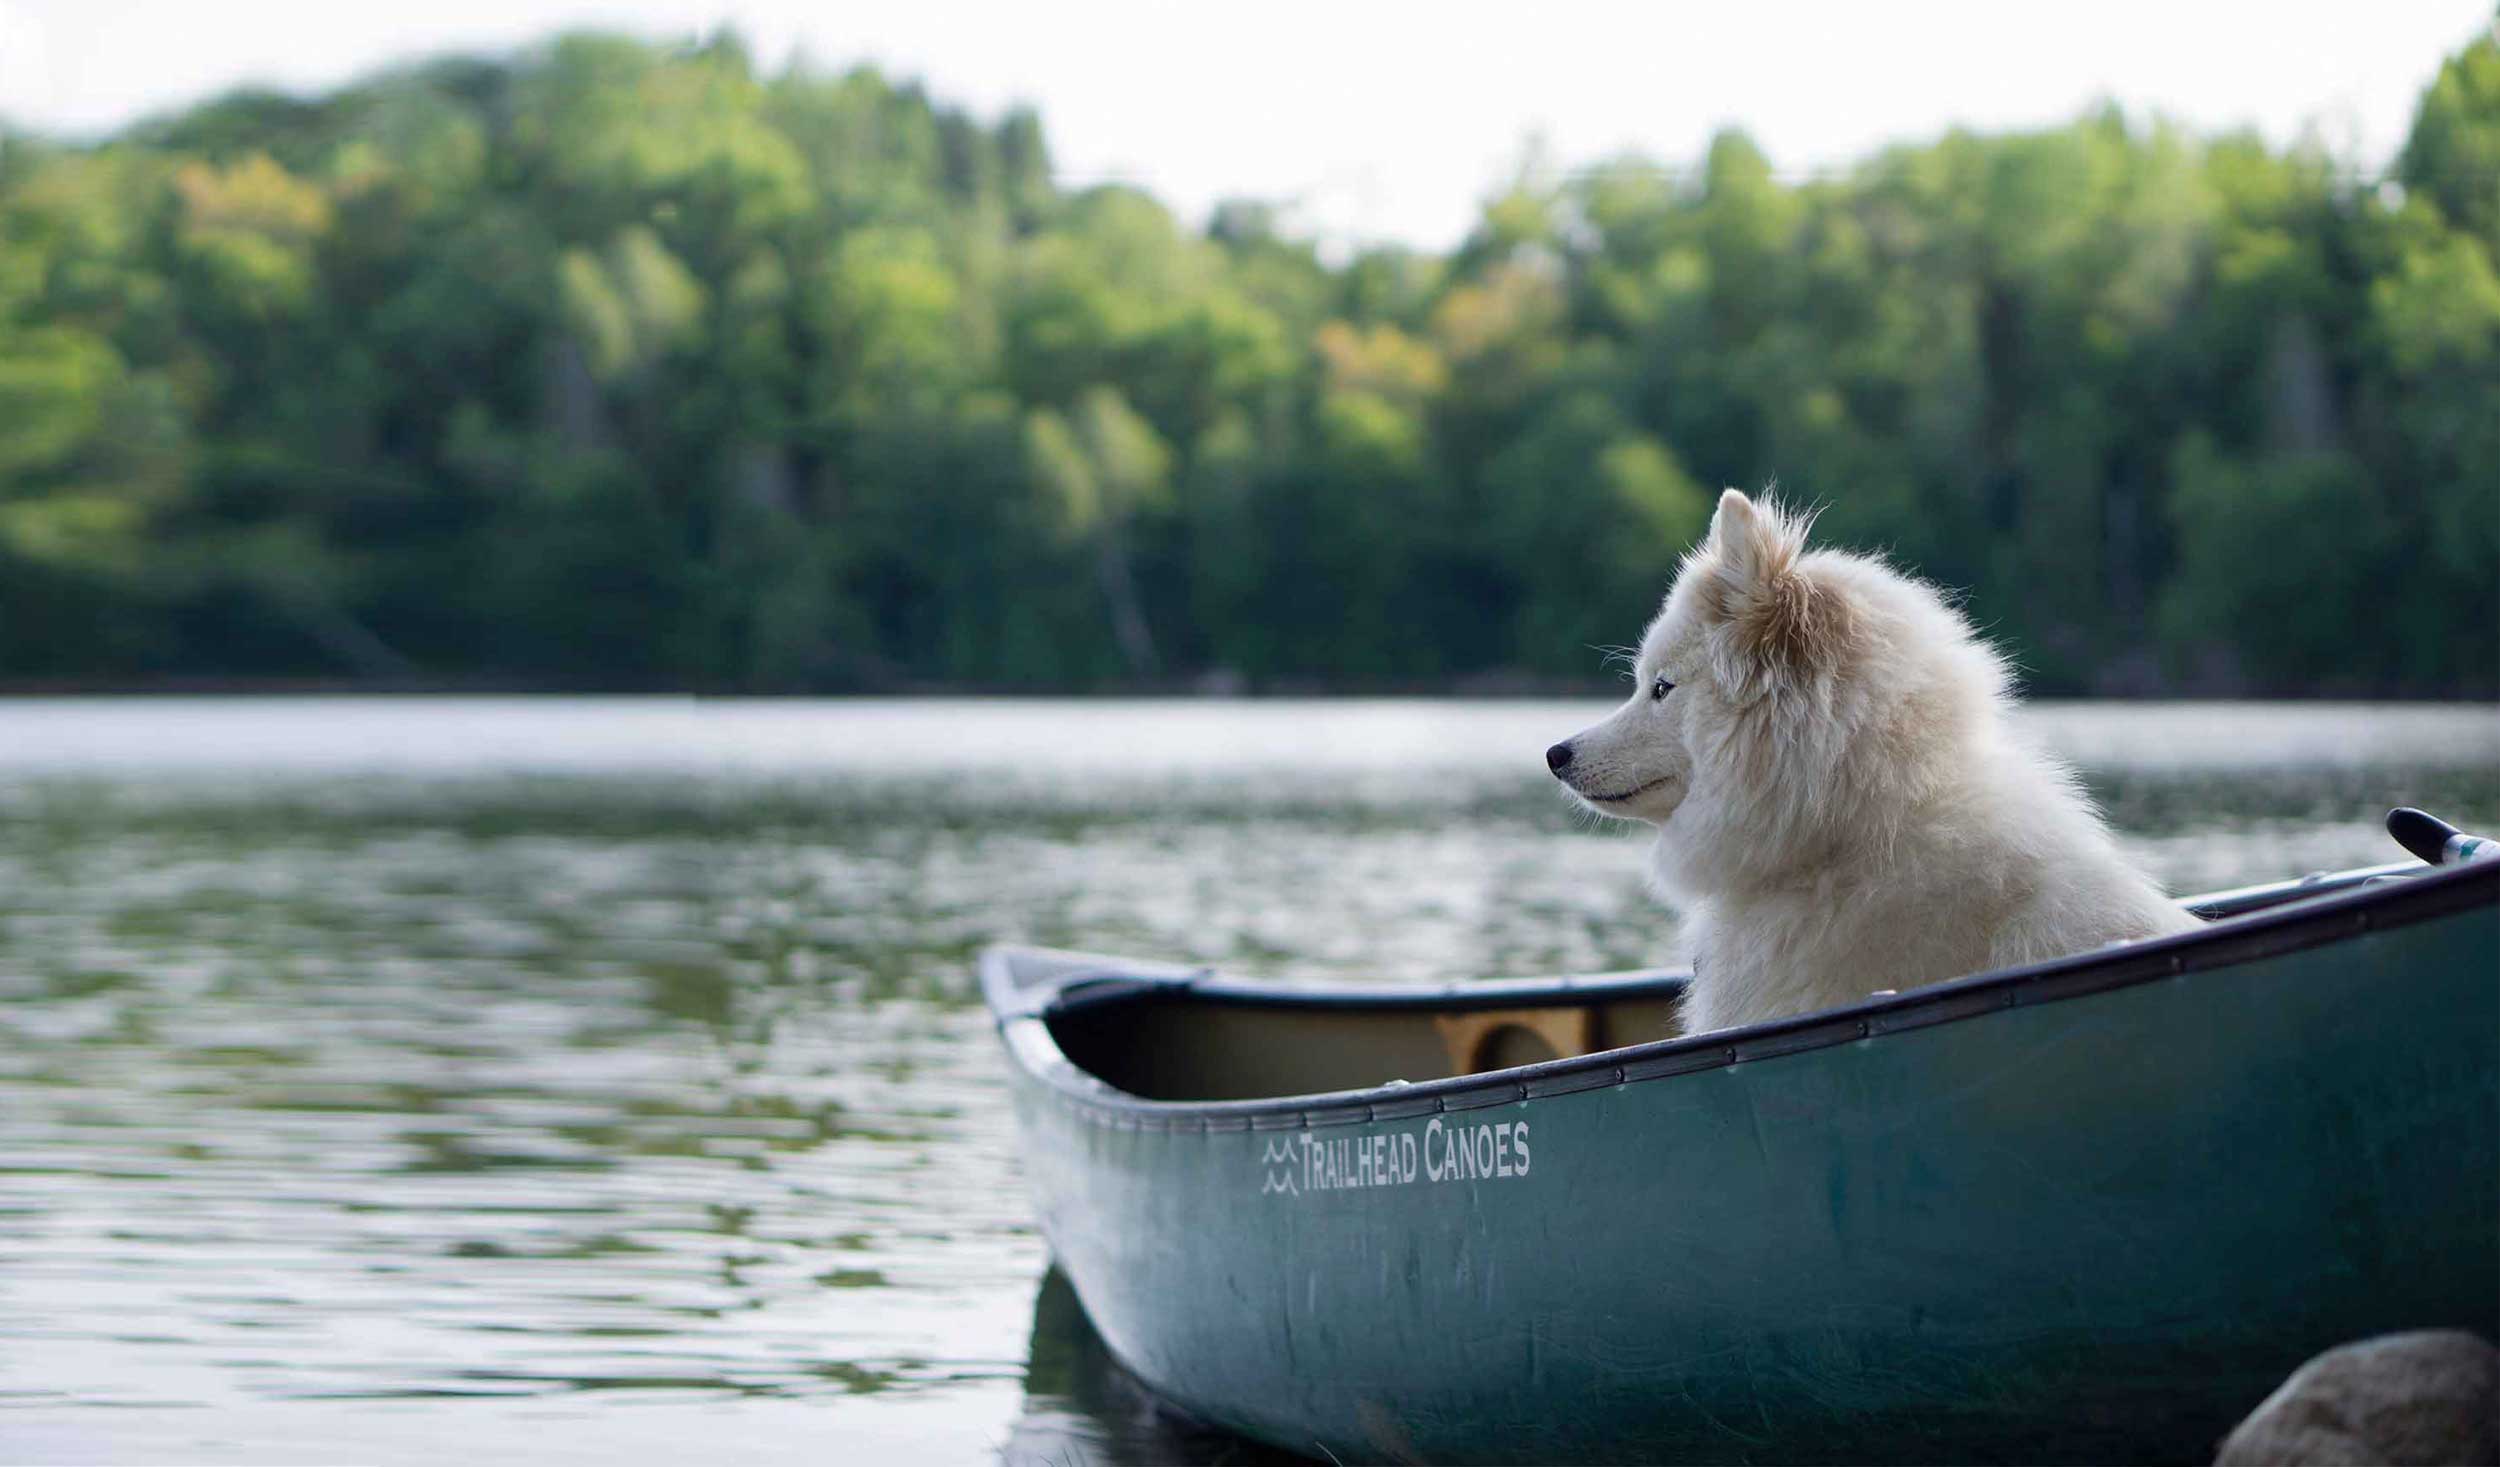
<point>626,365</point>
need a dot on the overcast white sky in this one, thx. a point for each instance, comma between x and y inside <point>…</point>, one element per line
<point>1378,120</point>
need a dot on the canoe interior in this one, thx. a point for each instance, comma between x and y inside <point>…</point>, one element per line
<point>1170,1045</point>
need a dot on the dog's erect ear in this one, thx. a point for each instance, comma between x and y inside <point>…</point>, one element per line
<point>1734,517</point>
<point>1757,543</point>
<point>1774,619</point>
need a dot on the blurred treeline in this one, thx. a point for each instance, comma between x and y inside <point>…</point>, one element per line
<point>625,365</point>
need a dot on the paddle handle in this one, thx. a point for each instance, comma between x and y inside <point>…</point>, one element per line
<point>2435,840</point>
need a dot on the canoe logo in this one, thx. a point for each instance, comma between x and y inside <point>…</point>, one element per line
<point>1439,1152</point>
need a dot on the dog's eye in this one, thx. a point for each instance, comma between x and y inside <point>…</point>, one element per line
<point>1660,689</point>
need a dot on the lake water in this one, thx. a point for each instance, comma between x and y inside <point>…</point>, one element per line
<point>602,1080</point>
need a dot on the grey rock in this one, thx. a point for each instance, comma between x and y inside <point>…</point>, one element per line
<point>2432,1396</point>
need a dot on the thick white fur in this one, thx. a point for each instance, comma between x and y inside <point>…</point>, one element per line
<point>1841,806</point>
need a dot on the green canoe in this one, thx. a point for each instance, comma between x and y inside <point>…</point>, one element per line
<point>2089,1210</point>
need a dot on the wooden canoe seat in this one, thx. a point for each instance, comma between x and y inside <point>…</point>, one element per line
<point>1495,1039</point>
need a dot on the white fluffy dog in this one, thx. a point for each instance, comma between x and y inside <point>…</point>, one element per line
<point>1841,807</point>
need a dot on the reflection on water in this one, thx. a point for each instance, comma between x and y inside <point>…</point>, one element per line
<point>1081,1406</point>
<point>391,1080</point>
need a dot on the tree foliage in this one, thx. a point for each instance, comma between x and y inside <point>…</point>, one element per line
<point>620,364</point>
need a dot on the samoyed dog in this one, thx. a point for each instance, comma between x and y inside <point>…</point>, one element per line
<point>1822,743</point>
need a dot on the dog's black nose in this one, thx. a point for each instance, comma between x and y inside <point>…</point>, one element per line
<point>1558,757</point>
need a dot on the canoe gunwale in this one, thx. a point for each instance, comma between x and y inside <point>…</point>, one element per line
<point>1022,1010</point>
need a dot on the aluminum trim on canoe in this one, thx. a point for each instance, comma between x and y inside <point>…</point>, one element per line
<point>2241,900</point>
<point>1021,1009</point>
<point>1093,978</point>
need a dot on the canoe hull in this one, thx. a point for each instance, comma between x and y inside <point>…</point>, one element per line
<point>2093,1229</point>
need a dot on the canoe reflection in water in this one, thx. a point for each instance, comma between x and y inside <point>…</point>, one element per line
<point>1081,1407</point>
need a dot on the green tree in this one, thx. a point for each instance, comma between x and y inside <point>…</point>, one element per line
<point>1102,463</point>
